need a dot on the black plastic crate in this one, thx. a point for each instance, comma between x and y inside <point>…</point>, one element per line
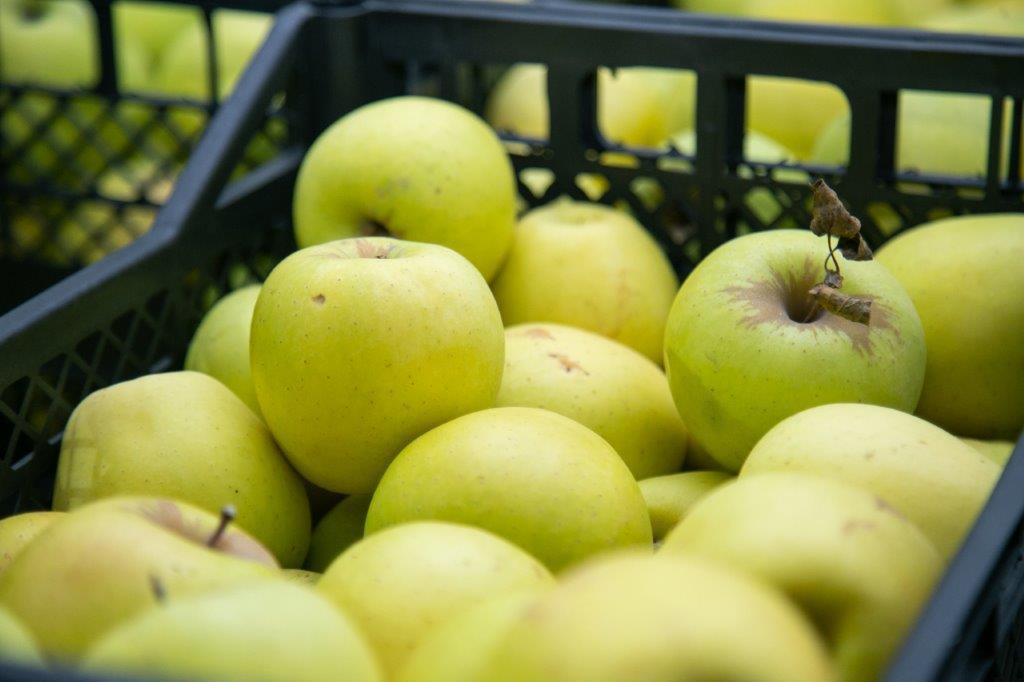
<point>84,167</point>
<point>134,312</point>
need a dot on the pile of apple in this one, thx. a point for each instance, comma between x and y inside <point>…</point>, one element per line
<point>112,149</point>
<point>527,494</point>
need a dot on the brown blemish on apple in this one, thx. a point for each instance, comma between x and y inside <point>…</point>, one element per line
<point>319,299</point>
<point>368,249</point>
<point>539,333</point>
<point>854,525</point>
<point>567,363</point>
<point>784,300</point>
<point>884,506</point>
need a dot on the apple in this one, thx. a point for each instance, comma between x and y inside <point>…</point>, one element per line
<point>414,168</point>
<point>300,576</point>
<point>401,583</point>
<point>636,617</point>
<point>592,267</point>
<point>533,477</point>
<point>607,387</point>
<point>670,498</point>
<point>964,277</point>
<point>267,631</point>
<point>698,458</point>
<point>359,346</point>
<point>340,528</point>
<point>18,531</point>
<point>793,112</point>
<point>931,477</point>
<point>745,348</point>
<point>855,12</point>
<point>857,566</point>
<point>107,561</point>
<point>184,435</point>
<point>458,650</point>
<point>17,645</point>
<point>220,346</point>
<point>636,106</point>
<point>998,451</point>
<point>154,25</point>
<point>52,43</point>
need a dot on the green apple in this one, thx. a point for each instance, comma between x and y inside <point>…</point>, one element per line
<point>607,387</point>
<point>458,650</point>
<point>17,645</point>
<point>400,584</point>
<point>660,618</point>
<point>103,563</point>
<point>300,576</point>
<point>670,498</point>
<point>858,567</point>
<point>414,168</point>
<point>1000,17</point>
<point>337,531</point>
<point>637,106</point>
<point>267,631</point>
<point>698,458</point>
<point>154,25</point>
<point>16,532</point>
<point>964,277</point>
<point>931,477</point>
<point>745,347</point>
<point>184,435</point>
<point>533,477</point>
<point>851,12</point>
<point>52,42</point>
<point>220,346</point>
<point>793,112</point>
<point>592,267</point>
<point>998,451</point>
<point>358,346</point>
<point>182,70</point>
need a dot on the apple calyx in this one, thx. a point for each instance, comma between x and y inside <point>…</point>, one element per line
<point>227,515</point>
<point>830,218</point>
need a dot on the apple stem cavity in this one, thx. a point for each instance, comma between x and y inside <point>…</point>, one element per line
<point>33,10</point>
<point>831,219</point>
<point>371,228</point>
<point>368,249</point>
<point>227,515</point>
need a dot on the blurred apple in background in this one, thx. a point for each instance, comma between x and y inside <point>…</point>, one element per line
<point>16,532</point>
<point>671,497</point>
<point>154,26</point>
<point>339,529</point>
<point>96,567</point>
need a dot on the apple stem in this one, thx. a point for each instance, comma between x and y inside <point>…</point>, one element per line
<point>159,591</point>
<point>227,515</point>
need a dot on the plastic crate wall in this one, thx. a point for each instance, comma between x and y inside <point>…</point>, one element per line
<point>134,312</point>
<point>86,168</point>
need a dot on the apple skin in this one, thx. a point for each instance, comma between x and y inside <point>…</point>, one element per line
<point>588,266</point>
<point>998,451</point>
<point>400,584</point>
<point>419,168</point>
<point>458,649</point>
<point>930,476</point>
<point>56,48</point>
<point>220,346</point>
<point>964,277</point>
<point>184,435</point>
<point>607,387</point>
<point>738,364</point>
<point>339,529</point>
<point>266,632</point>
<point>642,617</point>
<point>18,531</point>
<point>94,567</point>
<point>670,498</point>
<point>636,106</point>
<point>858,567</point>
<point>17,645</point>
<point>154,26</point>
<point>356,346</point>
<point>533,477</point>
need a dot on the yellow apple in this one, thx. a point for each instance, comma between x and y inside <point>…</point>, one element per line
<point>339,529</point>
<point>400,584</point>
<point>998,451</point>
<point>17,645</point>
<point>18,531</point>
<point>670,498</point>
